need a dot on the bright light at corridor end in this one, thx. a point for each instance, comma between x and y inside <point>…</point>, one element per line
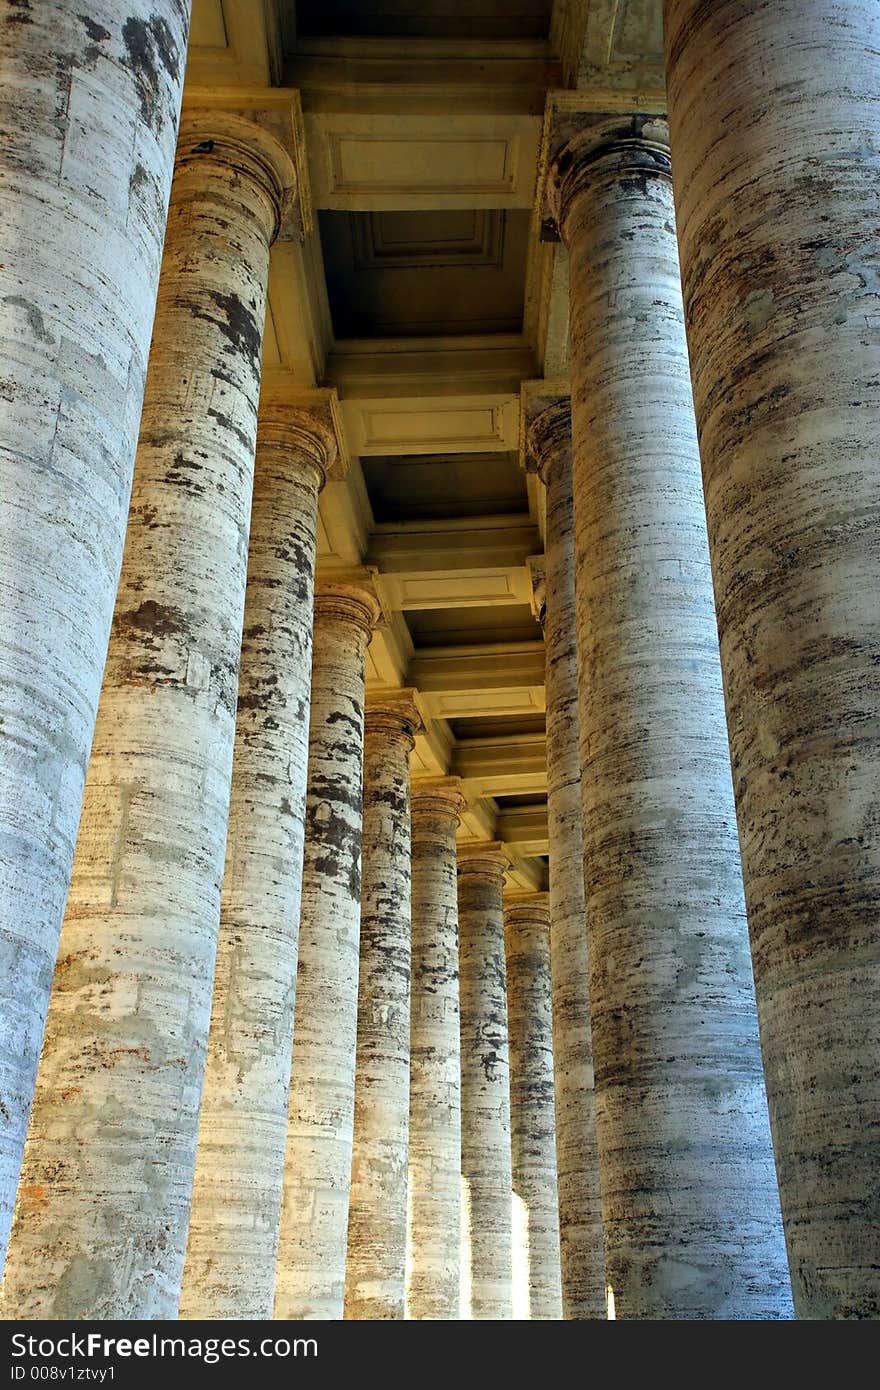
<point>520,1256</point>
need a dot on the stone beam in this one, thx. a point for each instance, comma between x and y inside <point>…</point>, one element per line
<point>467,562</point>
<point>507,766</point>
<point>610,48</point>
<point>409,78</point>
<point>526,875</point>
<point>478,821</point>
<point>524,830</point>
<point>500,678</point>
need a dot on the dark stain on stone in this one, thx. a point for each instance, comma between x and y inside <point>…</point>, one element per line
<point>138,179</point>
<point>262,695</point>
<point>150,47</point>
<point>224,676</point>
<point>22,13</point>
<point>95,31</point>
<point>33,316</point>
<point>340,717</point>
<point>244,439</point>
<point>490,1064</point>
<point>152,617</point>
<point>637,183</point>
<point>241,328</point>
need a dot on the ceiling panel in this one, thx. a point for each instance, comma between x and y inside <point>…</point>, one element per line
<point>362,160</point>
<point>482,727</point>
<point>509,19</point>
<point>436,486</point>
<point>405,274</point>
<point>453,627</point>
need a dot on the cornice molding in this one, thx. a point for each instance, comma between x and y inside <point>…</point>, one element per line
<point>285,405</point>
<point>567,114</point>
<point>278,111</point>
<point>390,712</point>
<point>483,859</point>
<point>530,907</point>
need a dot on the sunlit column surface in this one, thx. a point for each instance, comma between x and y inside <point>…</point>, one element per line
<point>775,128</point>
<point>104,1201</point>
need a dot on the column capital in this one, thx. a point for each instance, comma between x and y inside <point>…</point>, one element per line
<point>436,798</point>
<point>489,859</point>
<point>582,147</point>
<point>241,146</point>
<point>537,567</point>
<point>306,431</point>
<point>545,425</point>
<point>343,600</point>
<point>527,907</point>
<point>392,712</point>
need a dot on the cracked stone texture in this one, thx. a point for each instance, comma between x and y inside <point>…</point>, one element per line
<point>580,1209</point>
<point>775,128</point>
<point>686,1166</point>
<point>88,126</point>
<point>101,1223</point>
<point>375,1268</point>
<point>532,1121</point>
<point>486,1275</point>
<point>310,1278</point>
<point>233,1233</point>
<point>434,1234</point>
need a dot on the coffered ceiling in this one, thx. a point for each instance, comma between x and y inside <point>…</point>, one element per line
<point>415,296</point>
<point>421,274</point>
<point>471,19</point>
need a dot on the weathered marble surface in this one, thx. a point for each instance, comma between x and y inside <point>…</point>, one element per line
<point>102,1218</point>
<point>433,1237</point>
<point>233,1232</point>
<point>486,1275</point>
<point>685,1159</point>
<point>775,127</point>
<point>88,124</point>
<point>580,1211</point>
<point>310,1280</point>
<point>375,1267</point>
<point>532,1122</point>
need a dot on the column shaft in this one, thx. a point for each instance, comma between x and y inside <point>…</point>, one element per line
<point>532,1124</point>
<point>580,1211</point>
<point>104,1203</point>
<point>317,1175</point>
<point>434,1234</point>
<point>375,1268</point>
<point>775,129</point>
<point>233,1234</point>
<point>485,1087</point>
<point>88,113</point>
<point>685,1159</point>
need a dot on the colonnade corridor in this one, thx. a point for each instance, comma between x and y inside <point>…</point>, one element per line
<point>439,660</point>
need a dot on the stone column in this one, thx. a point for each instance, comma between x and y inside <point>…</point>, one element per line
<point>690,1206</point>
<point>532,1122</point>
<point>317,1174</point>
<point>375,1268</point>
<point>434,1234</point>
<point>233,1233</point>
<point>485,1086</point>
<point>104,1202</point>
<point>89,103</point>
<point>548,450</point>
<point>776,136</point>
